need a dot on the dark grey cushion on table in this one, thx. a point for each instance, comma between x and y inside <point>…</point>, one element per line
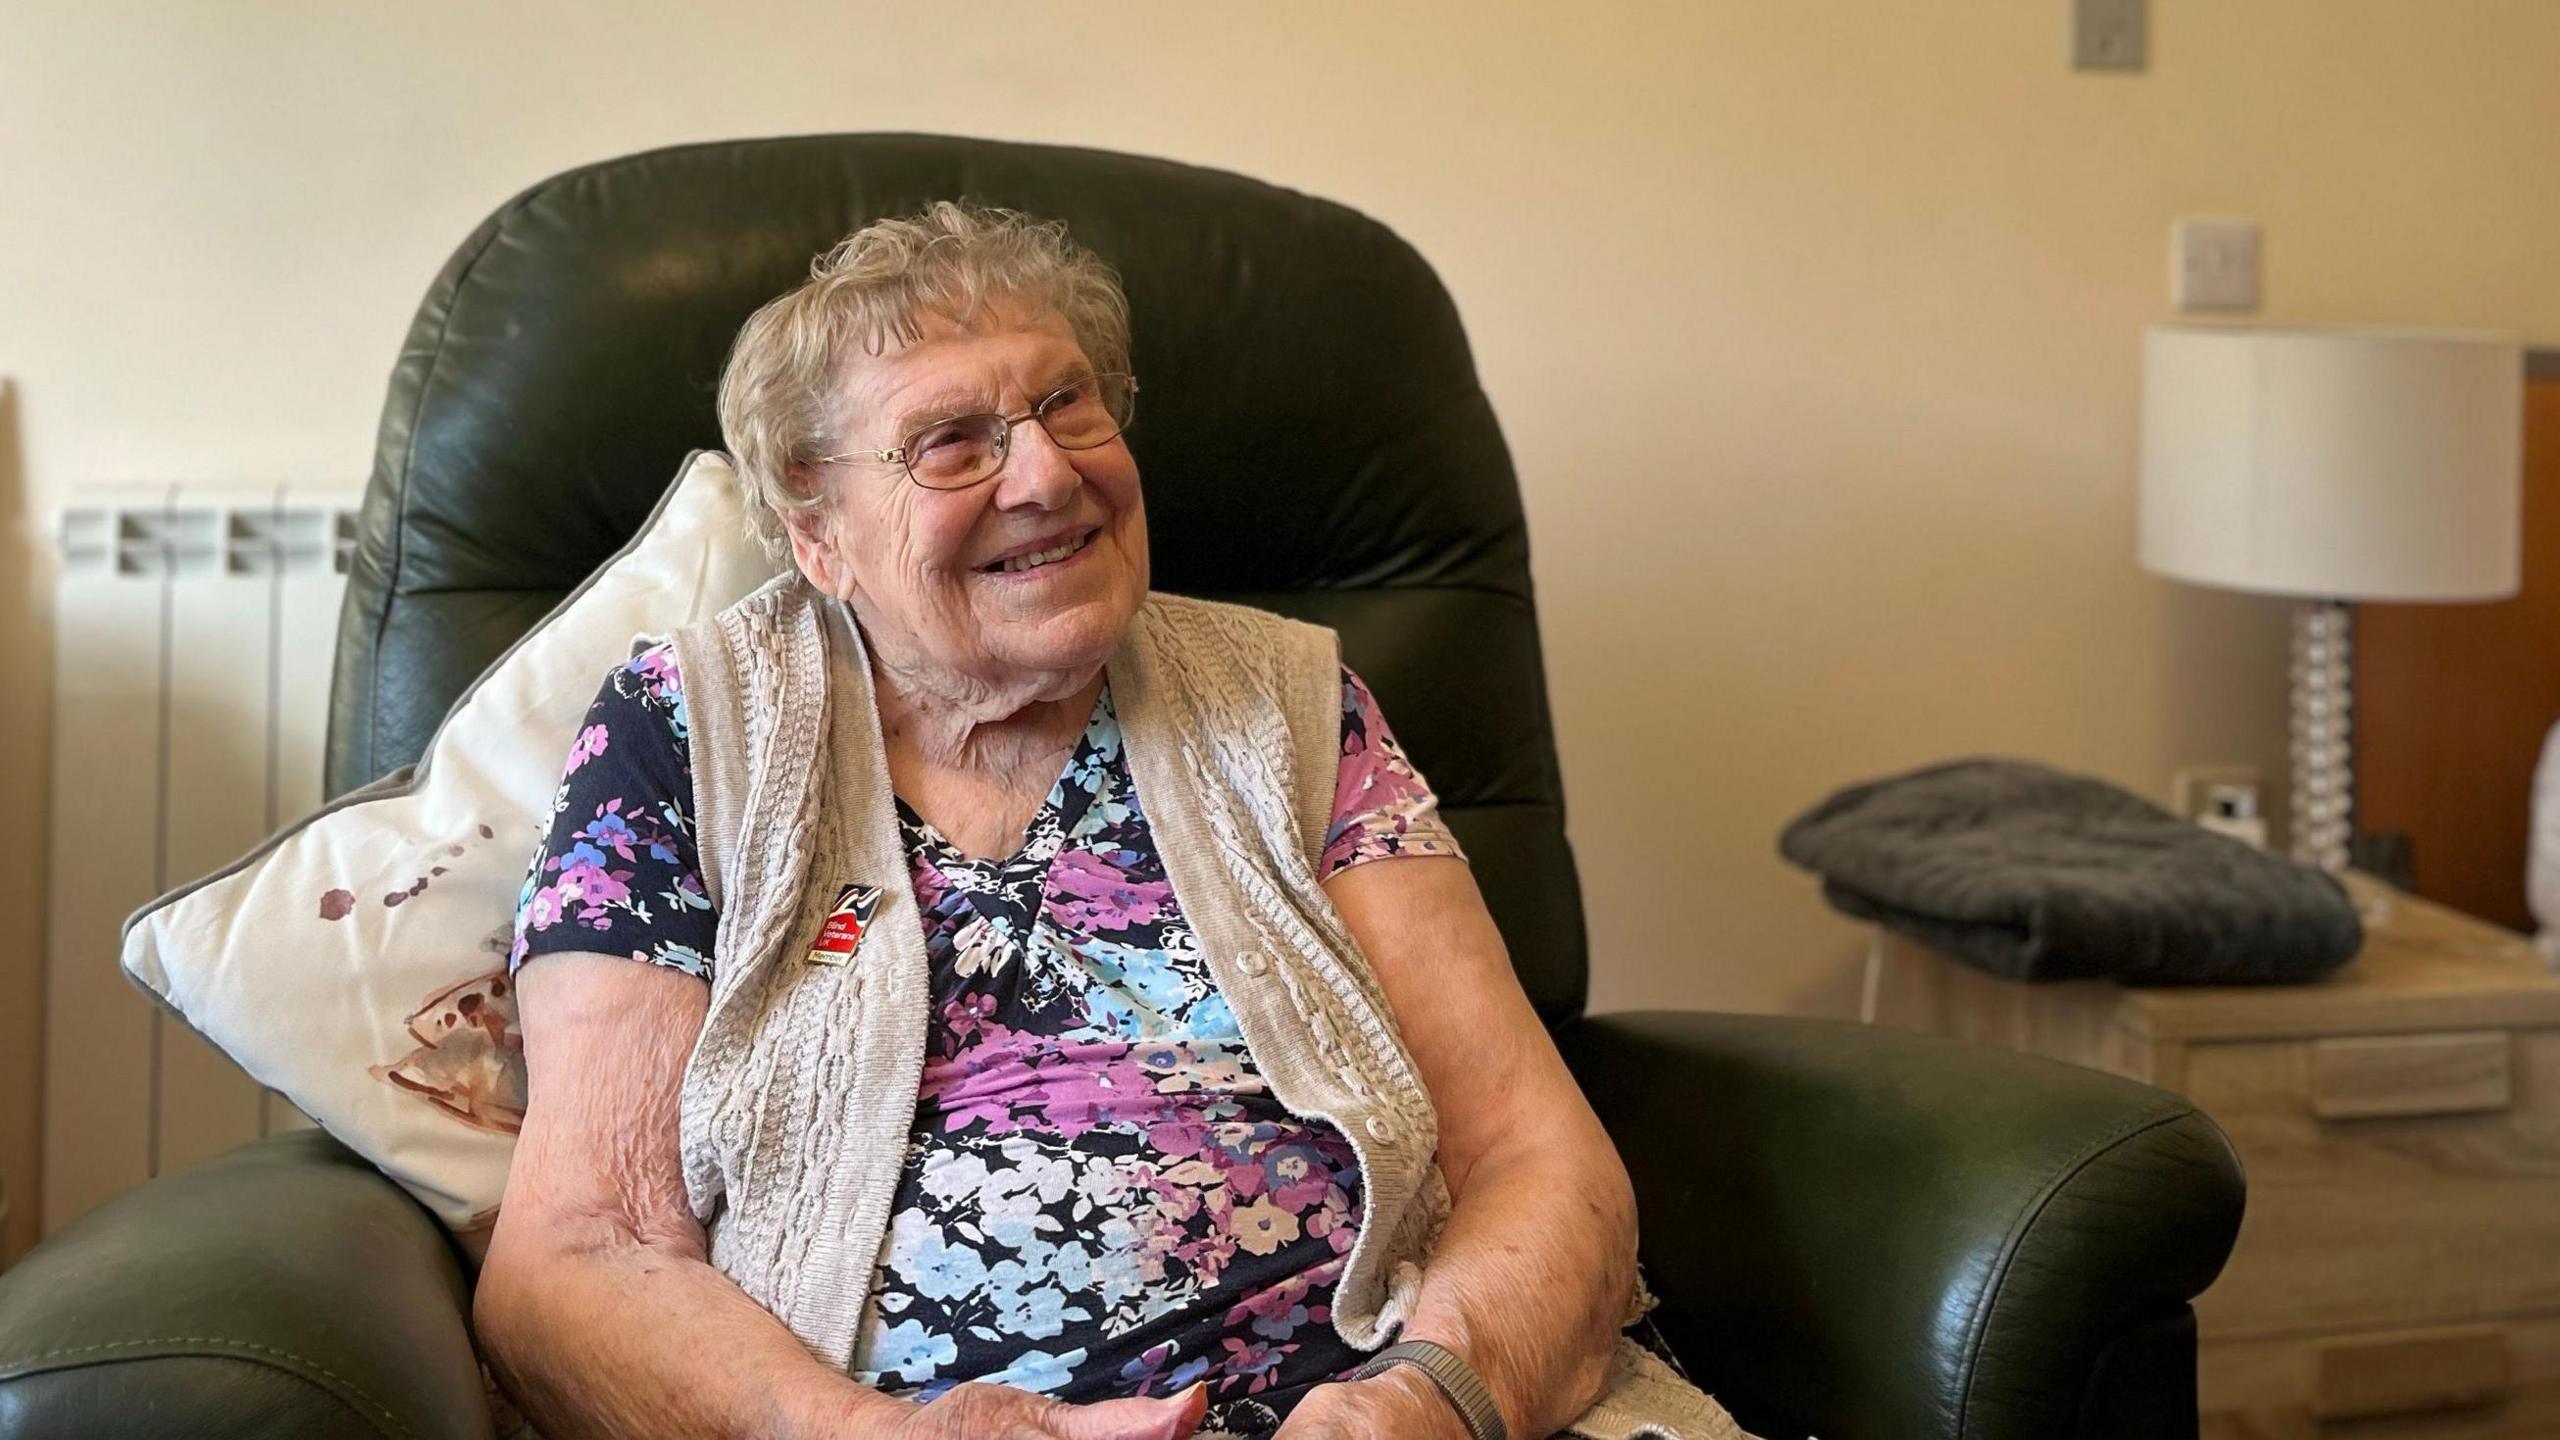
<point>2035,874</point>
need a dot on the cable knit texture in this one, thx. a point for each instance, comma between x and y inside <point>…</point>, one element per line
<point>800,1092</point>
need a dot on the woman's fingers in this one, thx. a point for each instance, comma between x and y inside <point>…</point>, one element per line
<point>1175,1417</point>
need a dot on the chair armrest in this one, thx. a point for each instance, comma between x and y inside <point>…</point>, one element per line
<point>285,1289</point>
<point>1860,1232</point>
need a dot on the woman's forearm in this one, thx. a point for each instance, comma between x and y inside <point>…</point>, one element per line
<point>1531,1277</point>
<point>625,1339</point>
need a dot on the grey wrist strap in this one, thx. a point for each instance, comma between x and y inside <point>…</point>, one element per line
<point>1455,1377</point>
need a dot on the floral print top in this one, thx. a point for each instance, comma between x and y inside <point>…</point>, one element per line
<point>1100,1196</point>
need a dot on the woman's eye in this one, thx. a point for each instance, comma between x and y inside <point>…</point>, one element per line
<point>938,437</point>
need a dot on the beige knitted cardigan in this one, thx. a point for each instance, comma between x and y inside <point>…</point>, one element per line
<point>797,1101</point>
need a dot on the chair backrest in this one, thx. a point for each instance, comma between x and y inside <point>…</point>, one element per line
<point>1314,441</point>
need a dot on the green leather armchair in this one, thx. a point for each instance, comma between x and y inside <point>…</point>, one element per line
<point>1855,1234</point>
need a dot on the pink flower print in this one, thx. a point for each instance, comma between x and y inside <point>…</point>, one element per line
<point>656,667</point>
<point>1073,1103</point>
<point>1332,1222</point>
<point>978,1085</point>
<point>965,1027</point>
<point>1211,1256</point>
<point>1377,794</point>
<point>543,911</point>
<point>1164,1238</point>
<point>931,887</point>
<point>1148,1366</point>
<point>1277,1312</point>
<point>1177,1203</point>
<point>1090,895</point>
<point>1245,1181</point>
<point>592,885</point>
<point>997,1115</point>
<point>1273,1303</point>
<point>1257,1359</point>
<point>967,1023</point>
<point>591,743</point>
<point>1362,771</point>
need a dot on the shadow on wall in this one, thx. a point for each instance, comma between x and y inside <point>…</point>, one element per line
<point>26,697</point>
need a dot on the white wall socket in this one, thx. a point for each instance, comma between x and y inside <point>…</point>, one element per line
<point>2213,264</point>
<point>2192,787</point>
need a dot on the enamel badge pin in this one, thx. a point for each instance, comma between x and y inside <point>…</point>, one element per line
<point>842,934</point>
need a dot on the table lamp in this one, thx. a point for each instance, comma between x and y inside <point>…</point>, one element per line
<point>2331,465</point>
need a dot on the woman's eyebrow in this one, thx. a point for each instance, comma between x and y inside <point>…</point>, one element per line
<point>946,405</point>
<point>952,404</point>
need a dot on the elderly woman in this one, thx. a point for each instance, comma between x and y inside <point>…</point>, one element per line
<point>1058,1010</point>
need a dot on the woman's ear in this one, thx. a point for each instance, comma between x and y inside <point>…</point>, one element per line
<point>812,531</point>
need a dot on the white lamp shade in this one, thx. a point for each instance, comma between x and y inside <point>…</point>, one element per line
<point>2348,464</point>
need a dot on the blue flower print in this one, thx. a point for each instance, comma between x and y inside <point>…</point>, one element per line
<point>925,1259</point>
<point>908,1351</point>
<point>1039,1371</point>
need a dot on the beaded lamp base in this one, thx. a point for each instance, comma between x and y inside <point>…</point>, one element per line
<point>2323,768</point>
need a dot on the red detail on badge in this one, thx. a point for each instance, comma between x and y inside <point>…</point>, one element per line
<point>842,934</point>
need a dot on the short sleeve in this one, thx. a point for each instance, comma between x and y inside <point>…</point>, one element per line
<point>620,872</point>
<point>1382,807</point>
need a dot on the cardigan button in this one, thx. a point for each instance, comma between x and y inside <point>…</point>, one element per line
<point>1255,963</point>
<point>1379,1130</point>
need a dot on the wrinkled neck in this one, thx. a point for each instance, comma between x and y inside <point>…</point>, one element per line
<point>972,724</point>
<point>989,738</point>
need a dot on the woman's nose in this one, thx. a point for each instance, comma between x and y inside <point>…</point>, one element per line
<point>1036,472</point>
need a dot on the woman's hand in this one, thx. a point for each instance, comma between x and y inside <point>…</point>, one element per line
<point>1400,1404</point>
<point>1000,1412</point>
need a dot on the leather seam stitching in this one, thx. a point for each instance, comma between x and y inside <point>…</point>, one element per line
<point>408,462</point>
<point>227,1351</point>
<point>2025,1222</point>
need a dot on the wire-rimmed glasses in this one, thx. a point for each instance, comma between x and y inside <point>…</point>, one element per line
<point>962,450</point>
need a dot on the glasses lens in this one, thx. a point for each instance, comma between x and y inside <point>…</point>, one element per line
<point>953,453</point>
<point>1089,412</point>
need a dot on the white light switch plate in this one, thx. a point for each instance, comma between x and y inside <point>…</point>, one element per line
<point>2213,264</point>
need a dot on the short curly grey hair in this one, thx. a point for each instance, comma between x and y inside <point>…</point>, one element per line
<point>874,288</point>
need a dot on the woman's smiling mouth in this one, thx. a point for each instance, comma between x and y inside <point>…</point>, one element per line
<point>1058,554</point>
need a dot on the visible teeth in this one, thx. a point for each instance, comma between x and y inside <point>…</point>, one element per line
<point>1044,557</point>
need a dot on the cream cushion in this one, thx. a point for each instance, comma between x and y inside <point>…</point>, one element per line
<point>357,961</point>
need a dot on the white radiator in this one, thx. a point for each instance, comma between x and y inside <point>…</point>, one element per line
<point>194,631</point>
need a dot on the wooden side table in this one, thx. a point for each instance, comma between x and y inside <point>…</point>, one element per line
<point>2398,1272</point>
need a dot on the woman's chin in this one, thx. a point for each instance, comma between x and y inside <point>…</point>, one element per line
<point>1076,626</point>
<point>1074,639</point>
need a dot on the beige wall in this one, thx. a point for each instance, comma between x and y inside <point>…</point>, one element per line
<point>1812,322</point>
